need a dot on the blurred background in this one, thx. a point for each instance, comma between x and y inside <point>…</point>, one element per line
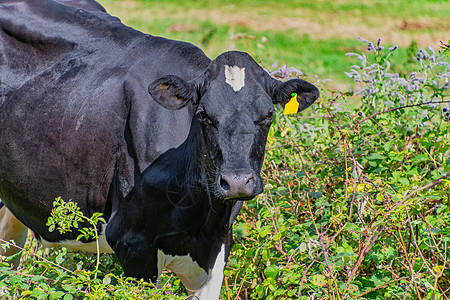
<point>312,36</point>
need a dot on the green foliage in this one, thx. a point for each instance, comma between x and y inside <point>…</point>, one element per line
<point>356,202</point>
<point>446,48</point>
<point>66,215</point>
<point>63,275</point>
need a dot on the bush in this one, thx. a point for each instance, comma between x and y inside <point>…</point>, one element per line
<point>356,202</point>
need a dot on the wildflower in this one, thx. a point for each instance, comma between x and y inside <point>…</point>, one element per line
<point>363,40</point>
<point>393,48</point>
<point>354,54</point>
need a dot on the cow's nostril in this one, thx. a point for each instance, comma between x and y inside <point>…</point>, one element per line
<point>224,184</point>
<point>250,184</point>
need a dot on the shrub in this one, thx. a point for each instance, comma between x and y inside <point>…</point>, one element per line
<point>356,202</point>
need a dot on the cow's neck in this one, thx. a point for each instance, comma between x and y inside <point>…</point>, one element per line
<point>180,179</point>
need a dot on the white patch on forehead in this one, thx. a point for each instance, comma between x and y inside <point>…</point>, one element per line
<point>235,77</point>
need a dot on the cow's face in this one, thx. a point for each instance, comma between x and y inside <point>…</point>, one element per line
<point>234,100</point>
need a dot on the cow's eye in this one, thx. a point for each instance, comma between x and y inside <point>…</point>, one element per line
<point>203,118</point>
<point>268,119</point>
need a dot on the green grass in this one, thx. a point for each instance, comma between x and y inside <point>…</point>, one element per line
<point>404,8</point>
<point>312,36</point>
<point>365,182</point>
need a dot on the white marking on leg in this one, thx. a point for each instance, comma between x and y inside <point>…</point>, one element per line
<point>235,77</point>
<point>189,272</point>
<point>211,289</point>
<point>77,245</point>
<point>12,229</point>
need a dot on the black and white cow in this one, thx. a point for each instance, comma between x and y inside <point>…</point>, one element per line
<point>163,141</point>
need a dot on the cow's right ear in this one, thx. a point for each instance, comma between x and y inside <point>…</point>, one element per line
<point>172,92</point>
<point>282,92</point>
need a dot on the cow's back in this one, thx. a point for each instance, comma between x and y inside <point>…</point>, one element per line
<point>75,114</point>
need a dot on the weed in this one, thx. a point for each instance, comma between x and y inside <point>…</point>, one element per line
<point>356,201</point>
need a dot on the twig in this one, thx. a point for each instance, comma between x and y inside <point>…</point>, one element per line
<point>429,185</point>
<point>355,181</point>
<point>415,241</point>
<point>366,248</point>
<point>320,237</point>
<point>336,235</point>
<point>380,286</point>
<point>369,243</point>
<point>226,287</point>
<point>304,276</point>
<point>291,256</point>
<point>36,255</point>
<point>397,108</point>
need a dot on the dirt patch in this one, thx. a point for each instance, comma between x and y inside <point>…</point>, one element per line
<point>429,31</point>
<point>424,25</point>
<point>129,4</point>
<point>183,28</point>
<point>350,25</point>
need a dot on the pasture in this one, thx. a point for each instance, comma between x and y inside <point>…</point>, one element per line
<point>357,187</point>
<point>310,35</point>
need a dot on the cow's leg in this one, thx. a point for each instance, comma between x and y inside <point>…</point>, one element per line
<point>11,229</point>
<point>210,290</point>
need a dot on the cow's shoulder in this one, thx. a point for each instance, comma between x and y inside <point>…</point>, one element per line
<point>66,13</point>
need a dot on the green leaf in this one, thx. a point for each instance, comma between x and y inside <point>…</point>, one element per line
<point>403,181</point>
<point>303,247</point>
<point>38,278</point>
<point>56,295</point>
<point>68,297</point>
<point>316,195</point>
<point>16,255</point>
<point>264,232</point>
<point>419,159</point>
<point>375,156</point>
<point>429,285</point>
<point>318,280</point>
<point>447,166</point>
<point>60,258</point>
<point>26,293</point>
<point>271,271</point>
<point>106,280</point>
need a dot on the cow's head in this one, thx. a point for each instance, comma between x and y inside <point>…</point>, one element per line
<point>235,105</point>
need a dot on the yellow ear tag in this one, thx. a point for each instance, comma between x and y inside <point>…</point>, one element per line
<point>292,106</point>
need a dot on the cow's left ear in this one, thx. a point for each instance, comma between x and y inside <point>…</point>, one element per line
<point>306,92</point>
<point>172,92</point>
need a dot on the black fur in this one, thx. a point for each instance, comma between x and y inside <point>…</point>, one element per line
<point>141,128</point>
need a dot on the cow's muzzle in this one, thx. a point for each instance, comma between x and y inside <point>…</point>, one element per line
<point>239,184</point>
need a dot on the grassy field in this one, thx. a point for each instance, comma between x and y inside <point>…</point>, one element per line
<point>356,202</point>
<point>313,36</point>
